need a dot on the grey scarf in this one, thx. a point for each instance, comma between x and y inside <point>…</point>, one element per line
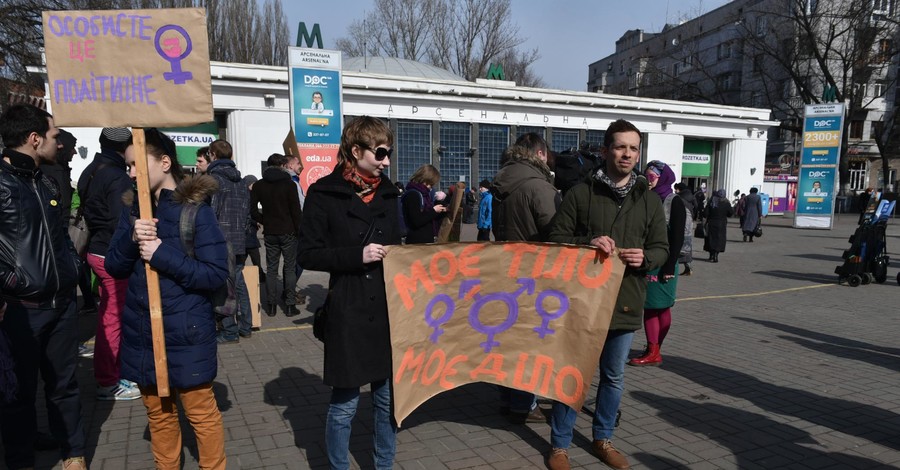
<point>620,191</point>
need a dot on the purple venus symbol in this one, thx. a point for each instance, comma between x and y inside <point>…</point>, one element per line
<point>170,50</point>
<point>436,323</point>
<point>545,329</point>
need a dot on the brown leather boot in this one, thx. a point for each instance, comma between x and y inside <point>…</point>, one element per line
<point>651,357</point>
<point>558,459</point>
<point>608,454</point>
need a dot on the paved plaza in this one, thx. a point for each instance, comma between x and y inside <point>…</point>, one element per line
<point>769,364</point>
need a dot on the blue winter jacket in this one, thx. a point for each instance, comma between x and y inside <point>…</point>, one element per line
<point>185,283</point>
<point>484,210</point>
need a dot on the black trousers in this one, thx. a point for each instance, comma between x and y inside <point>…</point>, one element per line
<point>484,235</point>
<point>45,341</point>
<point>278,246</point>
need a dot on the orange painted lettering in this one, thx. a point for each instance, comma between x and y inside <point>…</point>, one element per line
<point>406,284</point>
<point>492,365</point>
<point>439,358</point>
<point>450,371</point>
<point>601,277</point>
<point>539,262</point>
<point>434,269</point>
<point>467,262</point>
<point>412,362</point>
<point>564,263</point>
<point>559,385</point>
<point>519,250</point>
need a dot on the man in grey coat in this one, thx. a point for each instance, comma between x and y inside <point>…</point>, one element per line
<point>752,214</point>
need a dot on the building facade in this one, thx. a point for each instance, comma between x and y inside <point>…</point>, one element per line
<point>462,127</point>
<point>771,53</point>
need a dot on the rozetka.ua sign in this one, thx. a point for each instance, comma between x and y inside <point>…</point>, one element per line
<point>140,68</point>
<point>527,316</point>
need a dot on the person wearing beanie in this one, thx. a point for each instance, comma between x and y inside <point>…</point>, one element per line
<point>100,188</point>
<point>484,211</point>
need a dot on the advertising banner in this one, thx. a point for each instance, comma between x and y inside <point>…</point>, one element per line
<point>141,68</point>
<point>528,316</point>
<point>316,110</point>
<point>816,186</point>
<point>190,139</point>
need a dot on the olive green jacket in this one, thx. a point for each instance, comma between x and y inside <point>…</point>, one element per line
<point>591,210</point>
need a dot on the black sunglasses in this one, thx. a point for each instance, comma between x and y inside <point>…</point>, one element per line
<point>380,153</point>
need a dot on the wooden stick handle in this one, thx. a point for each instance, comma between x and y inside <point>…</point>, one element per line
<point>153,295</point>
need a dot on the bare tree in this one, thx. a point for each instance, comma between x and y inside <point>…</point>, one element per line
<point>464,37</point>
<point>842,45</point>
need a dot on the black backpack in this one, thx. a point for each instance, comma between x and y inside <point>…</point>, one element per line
<point>223,299</point>
<point>573,167</point>
<point>404,228</point>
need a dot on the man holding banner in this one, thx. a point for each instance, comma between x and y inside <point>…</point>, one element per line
<point>615,212</point>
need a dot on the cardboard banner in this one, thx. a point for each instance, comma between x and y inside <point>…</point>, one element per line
<point>529,316</point>
<point>141,68</point>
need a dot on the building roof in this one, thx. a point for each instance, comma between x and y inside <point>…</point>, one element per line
<point>397,67</point>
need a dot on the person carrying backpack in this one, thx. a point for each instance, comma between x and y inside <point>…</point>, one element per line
<point>186,284</point>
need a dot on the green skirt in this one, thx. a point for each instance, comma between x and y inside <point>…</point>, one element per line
<point>660,294</point>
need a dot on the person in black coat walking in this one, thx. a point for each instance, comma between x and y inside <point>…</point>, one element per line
<point>717,213</point>
<point>420,214</point>
<point>351,215</point>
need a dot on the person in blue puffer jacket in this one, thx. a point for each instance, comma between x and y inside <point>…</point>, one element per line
<point>186,283</point>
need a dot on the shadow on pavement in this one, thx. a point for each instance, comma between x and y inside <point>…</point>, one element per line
<point>754,440</point>
<point>819,256</point>
<point>812,277</point>
<point>844,342</point>
<point>856,419</point>
<point>305,401</point>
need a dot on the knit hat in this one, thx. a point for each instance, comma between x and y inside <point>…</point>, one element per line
<point>115,138</point>
<point>67,140</point>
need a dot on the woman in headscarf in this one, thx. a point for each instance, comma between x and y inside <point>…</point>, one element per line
<point>717,213</point>
<point>662,282</point>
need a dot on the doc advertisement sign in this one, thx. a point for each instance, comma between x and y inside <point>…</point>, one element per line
<point>316,110</point>
<point>528,316</point>
<point>822,128</point>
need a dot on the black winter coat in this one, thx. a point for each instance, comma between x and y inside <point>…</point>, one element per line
<point>717,223</point>
<point>38,263</point>
<point>357,333</point>
<point>277,193</point>
<point>102,197</point>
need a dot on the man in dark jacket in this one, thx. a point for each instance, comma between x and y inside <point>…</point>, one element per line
<point>617,213</point>
<point>61,173</point>
<point>101,187</point>
<point>231,203</point>
<point>39,272</point>
<point>280,218</point>
<point>523,206</point>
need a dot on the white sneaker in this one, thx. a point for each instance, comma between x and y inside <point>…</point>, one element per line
<point>85,351</point>
<point>119,391</point>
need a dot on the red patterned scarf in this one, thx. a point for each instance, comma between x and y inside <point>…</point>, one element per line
<point>364,186</point>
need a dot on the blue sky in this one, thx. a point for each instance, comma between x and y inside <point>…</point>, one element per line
<point>570,34</point>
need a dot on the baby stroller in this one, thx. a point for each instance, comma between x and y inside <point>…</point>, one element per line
<point>867,260</point>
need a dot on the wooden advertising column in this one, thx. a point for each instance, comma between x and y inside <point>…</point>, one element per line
<point>153,295</point>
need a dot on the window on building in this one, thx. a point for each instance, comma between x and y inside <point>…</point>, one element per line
<point>413,147</point>
<point>881,7</point>
<point>761,25</point>
<point>859,175</point>
<point>724,81</point>
<point>594,137</point>
<point>877,129</point>
<point>856,129</point>
<point>883,51</point>
<point>456,140</point>
<point>860,89</point>
<point>892,179</point>
<point>564,139</point>
<point>724,50</point>
<point>522,130</point>
<point>492,141</point>
<point>609,66</point>
<point>676,69</point>
<point>756,99</point>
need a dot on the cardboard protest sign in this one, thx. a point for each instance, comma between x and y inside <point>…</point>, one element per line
<point>142,68</point>
<point>530,316</point>
<point>450,228</point>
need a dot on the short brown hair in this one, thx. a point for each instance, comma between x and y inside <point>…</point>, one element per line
<point>221,148</point>
<point>426,174</point>
<point>364,131</point>
<point>617,127</point>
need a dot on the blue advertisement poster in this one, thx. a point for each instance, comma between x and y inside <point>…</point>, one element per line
<point>316,105</point>
<point>816,191</point>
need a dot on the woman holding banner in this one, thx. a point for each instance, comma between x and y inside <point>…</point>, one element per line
<point>349,217</point>
<point>185,281</point>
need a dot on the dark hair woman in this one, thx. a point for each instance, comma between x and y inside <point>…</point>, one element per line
<point>420,214</point>
<point>186,282</point>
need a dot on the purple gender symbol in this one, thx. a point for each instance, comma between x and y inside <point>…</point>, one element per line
<point>512,309</point>
<point>545,329</point>
<point>437,322</point>
<point>174,54</point>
